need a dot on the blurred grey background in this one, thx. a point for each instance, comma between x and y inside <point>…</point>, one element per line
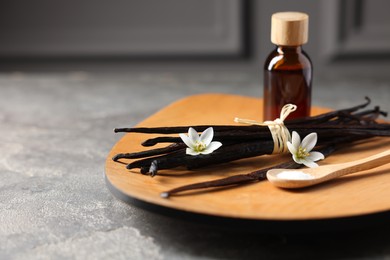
<point>72,70</point>
<point>348,38</point>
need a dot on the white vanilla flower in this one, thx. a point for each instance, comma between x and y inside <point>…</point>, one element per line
<point>200,144</point>
<point>301,152</point>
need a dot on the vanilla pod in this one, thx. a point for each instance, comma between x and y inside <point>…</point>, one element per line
<point>249,141</point>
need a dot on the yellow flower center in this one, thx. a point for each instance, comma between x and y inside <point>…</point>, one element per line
<point>199,146</point>
<point>301,154</point>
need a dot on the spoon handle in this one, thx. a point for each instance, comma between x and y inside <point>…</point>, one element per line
<point>363,164</point>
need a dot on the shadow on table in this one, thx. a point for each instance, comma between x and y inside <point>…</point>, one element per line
<point>366,237</point>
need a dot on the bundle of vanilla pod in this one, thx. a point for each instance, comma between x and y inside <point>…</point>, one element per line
<point>333,128</point>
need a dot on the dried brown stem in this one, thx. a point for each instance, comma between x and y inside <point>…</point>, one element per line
<point>257,175</point>
<point>154,152</point>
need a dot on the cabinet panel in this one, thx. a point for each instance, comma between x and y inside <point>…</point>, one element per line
<point>147,28</point>
<point>355,29</point>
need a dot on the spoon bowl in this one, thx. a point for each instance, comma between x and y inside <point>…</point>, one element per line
<point>300,178</point>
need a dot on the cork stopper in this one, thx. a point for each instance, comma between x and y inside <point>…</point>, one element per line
<point>289,28</point>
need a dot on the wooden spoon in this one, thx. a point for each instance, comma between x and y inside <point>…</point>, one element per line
<point>288,178</point>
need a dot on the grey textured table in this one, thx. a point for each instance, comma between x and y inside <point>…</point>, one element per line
<point>55,133</point>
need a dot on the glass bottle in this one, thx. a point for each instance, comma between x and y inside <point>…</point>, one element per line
<point>288,70</point>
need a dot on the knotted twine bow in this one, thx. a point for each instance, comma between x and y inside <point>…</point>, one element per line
<point>279,131</point>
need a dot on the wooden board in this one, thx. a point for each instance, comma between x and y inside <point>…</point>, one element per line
<point>358,194</point>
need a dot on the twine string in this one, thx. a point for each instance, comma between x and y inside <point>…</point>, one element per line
<point>279,132</point>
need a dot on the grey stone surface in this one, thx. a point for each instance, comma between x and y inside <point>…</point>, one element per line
<point>55,133</point>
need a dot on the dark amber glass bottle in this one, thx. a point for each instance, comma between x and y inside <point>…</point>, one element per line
<point>288,70</point>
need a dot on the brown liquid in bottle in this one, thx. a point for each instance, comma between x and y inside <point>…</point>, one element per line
<point>287,79</point>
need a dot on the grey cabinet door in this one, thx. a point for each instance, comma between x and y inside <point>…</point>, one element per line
<point>354,37</point>
<point>356,29</point>
<point>120,28</point>
<point>347,37</point>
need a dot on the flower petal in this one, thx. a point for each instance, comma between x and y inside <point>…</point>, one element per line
<point>207,136</point>
<point>190,151</point>
<point>309,163</point>
<point>186,140</point>
<point>193,135</point>
<point>291,148</point>
<point>315,156</point>
<point>296,159</point>
<point>212,147</point>
<point>295,140</point>
<point>309,142</point>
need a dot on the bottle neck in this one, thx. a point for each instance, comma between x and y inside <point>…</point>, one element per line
<point>289,49</point>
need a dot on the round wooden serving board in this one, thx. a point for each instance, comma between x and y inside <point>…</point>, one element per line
<point>349,196</point>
